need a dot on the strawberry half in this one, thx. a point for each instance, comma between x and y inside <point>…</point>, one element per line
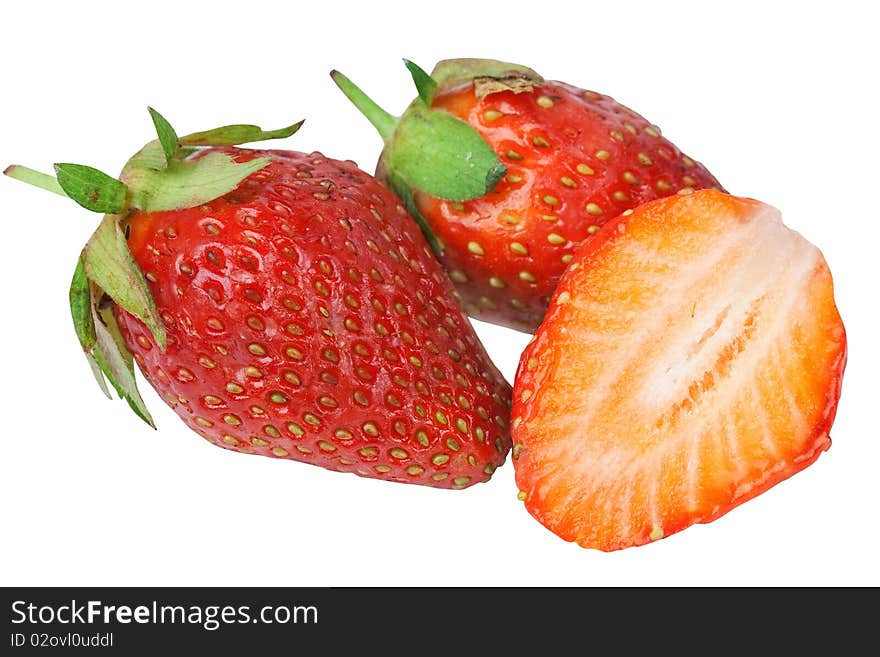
<point>566,160</point>
<point>692,357</point>
<point>283,304</point>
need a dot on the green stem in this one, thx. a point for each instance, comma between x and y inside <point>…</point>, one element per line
<point>35,178</point>
<point>381,120</point>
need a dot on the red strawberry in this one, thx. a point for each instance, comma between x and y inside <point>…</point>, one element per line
<point>570,160</point>
<point>301,311</point>
<point>691,358</point>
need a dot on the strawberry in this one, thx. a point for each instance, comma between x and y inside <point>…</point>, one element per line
<point>283,304</point>
<point>691,358</point>
<point>532,169</point>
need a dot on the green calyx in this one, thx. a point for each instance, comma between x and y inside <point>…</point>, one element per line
<point>161,176</point>
<point>487,75</point>
<point>430,150</point>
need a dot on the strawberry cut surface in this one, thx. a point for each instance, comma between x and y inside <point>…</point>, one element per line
<point>692,357</point>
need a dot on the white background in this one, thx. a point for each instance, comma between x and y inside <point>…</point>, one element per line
<point>778,99</point>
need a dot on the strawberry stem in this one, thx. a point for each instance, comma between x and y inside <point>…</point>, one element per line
<point>35,178</point>
<point>381,120</point>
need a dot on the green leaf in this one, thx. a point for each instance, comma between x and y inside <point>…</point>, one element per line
<point>81,306</point>
<point>404,193</point>
<point>186,184</point>
<point>115,362</point>
<point>151,156</point>
<point>97,373</point>
<point>35,178</point>
<point>442,155</point>
<point>496,173</point>
<point>108,263</point>
<point>425,84</point>
<point>167,135</point>
<point>488,75</point>
<point>92,189</point>
<point>83,323</point>
<point>232,135</point>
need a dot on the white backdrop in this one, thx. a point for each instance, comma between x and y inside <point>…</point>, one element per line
<point>780,100</point>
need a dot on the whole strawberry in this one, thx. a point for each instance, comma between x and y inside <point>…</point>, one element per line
<point>508,173</point>
<point>284,304</point>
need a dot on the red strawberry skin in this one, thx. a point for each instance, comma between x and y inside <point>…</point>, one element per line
<point>692,358</point>
<point>308,320</point>
<point>575,159</point>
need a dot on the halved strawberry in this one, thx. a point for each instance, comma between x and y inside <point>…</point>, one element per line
<point>692,357</point>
